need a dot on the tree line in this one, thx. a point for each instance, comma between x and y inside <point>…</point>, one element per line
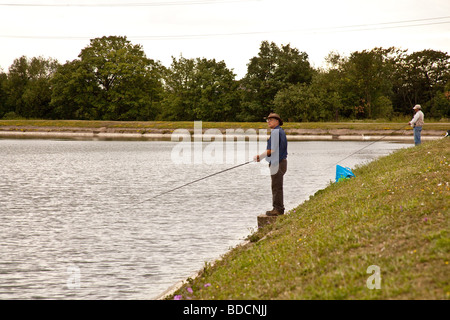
<point>112,79</point>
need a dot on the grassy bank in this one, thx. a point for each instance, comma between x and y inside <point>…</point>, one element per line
<point>393,215</point>
<point>172,125</point>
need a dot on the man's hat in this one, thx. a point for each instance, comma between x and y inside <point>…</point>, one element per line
<point>275,116</point>
<point>417,106</point>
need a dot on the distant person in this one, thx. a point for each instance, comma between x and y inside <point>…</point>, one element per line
<point>276,155</point>
<point>417,123</point>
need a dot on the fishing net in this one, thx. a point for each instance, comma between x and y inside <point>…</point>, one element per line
<point>343,173</point>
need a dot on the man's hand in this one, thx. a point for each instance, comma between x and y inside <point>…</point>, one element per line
<point>263,155</point>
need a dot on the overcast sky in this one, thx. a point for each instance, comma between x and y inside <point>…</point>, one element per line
<point>228,30</point>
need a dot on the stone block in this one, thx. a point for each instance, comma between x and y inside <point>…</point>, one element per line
<point>265,220</point>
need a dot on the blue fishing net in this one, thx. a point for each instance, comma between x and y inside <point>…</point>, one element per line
<point>343,173</point>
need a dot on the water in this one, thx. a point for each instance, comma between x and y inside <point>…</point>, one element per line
<point>75,222</point>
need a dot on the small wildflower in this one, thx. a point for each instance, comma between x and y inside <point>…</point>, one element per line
<point>190,290</point>
<point>425,219</point>
<point>177,297</point>
<point>207,285</point>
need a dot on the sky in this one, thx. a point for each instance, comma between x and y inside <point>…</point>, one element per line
<point>228,30</point>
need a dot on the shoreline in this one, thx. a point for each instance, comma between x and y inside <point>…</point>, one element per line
<point>319,247</point>
<point>18,132</point>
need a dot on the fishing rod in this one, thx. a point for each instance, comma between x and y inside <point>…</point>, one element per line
<point>403,127</point>
<point>197,180</point>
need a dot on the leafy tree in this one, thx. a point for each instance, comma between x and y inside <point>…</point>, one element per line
<point>319,101</point>
<point>216,87</point>
<point>179,84</point>
<point>275,68</point>
<point>439,106</point>
<point>325,85</point>
<point>200,89</point>
<point>16,84</point>
<point>28,86</point>
<point>384,107</point>
<point>112,80</point>
<point>297,103</point>
<point>367,76</point>
<point>422,77</point>
<point>73,92</point>
<point>3,80</point>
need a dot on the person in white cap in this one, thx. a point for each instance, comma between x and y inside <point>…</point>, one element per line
<point>417,123</point>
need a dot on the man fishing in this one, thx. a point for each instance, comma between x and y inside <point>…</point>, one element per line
<point>276,155</point>
<point>417,123</point>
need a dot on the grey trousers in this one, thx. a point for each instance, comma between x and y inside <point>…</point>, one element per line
<point>277,185</point>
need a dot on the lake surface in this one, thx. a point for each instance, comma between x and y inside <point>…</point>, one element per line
<point>79,221</point>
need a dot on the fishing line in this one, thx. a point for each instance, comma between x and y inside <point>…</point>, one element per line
<point>192,182</point>
<point>403,127</point>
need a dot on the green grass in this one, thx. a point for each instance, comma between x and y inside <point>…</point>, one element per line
<point>394,215</point>
<point>172,125</point>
